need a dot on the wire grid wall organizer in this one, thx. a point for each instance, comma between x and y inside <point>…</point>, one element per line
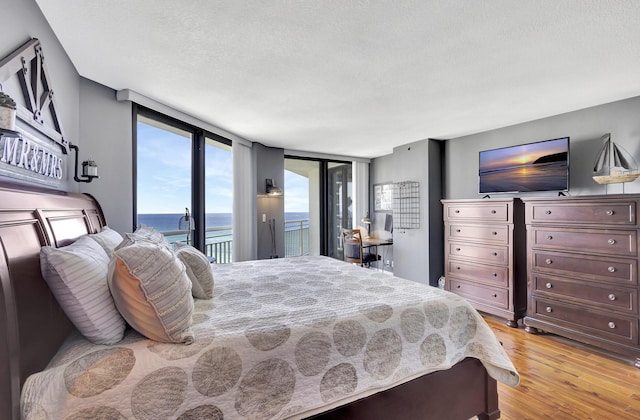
<point>406,205</point>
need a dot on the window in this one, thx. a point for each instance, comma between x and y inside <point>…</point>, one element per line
<point>218,173</point>
<point>180,170</point>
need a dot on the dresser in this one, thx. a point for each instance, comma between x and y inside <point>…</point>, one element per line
<point>485,255</point>
<point>582,257</point>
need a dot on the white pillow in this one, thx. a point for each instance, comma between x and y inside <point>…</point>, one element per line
<point>152,291</point>
<point>145,233</point>
<point>108,239</point>
<point>198,269</point>
<point>77,277</point>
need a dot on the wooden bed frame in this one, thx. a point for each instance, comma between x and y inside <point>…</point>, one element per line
<point>33,326</point>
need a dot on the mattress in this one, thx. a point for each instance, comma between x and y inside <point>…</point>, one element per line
<point>281,338</point>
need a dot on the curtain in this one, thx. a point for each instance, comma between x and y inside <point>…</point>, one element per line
<point>244,203</point>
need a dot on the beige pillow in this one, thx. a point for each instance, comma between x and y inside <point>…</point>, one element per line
<point>77,277</point>
<point>198,269</point>
<point>152,291</point>
<point>108,239</point>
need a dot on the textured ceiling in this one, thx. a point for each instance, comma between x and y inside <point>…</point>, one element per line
<point>355,77</point>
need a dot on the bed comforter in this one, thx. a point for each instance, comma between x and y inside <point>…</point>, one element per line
<point>283,338</point>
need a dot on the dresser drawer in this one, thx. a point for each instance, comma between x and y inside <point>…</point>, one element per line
<point>482,253</point>
<point>488,233</point>
<point>498,212</point>
<point>615,213</point>
<point>612,327</point>
<point>482,294</point>
<point>613,242</point>
<point>618,270</point>
<point>610,297</point>
<point>492,275</point>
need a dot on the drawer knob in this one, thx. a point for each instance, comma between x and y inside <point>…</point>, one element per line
<point>547,212</point>
<point>458,286</point>
<point>609,212</point>
<point>495,274</point>
<point>548,261</point>
<point>611,241</point>
<point>493,212</point>
<point>495,295</point>
<point>457,249</point>
<point>457,211</point>
<point>612,297</point>
<point>612,325</point>
<point>548,285</point>
<point>458,230</point>
<point>495,254</point>
<point>549,237</point>
<point>457,268</point>
<point>494,233</point>
<point>549,310</point>
<point>611,269</point>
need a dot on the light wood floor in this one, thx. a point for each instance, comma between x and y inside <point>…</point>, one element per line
<point>561,379</point>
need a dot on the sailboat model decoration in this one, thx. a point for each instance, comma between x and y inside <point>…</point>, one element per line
<point>614,164</point>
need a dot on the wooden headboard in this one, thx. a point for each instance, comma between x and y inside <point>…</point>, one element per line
<point>32,324</point>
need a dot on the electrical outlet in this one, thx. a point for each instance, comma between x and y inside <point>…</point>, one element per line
<point>388,263</point>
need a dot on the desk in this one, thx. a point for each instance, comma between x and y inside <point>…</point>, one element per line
<point>376,242</point>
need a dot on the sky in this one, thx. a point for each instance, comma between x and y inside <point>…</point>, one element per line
<point>164,176</point>
<point>519,155</point>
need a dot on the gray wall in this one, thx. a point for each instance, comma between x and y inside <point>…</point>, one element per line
<point>269,163</point>
<point>584,127</point>
<point>21,21</point>
<point>417,253</point>
<point>106,124</point>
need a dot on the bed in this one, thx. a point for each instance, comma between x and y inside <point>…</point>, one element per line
<point>306,337</point>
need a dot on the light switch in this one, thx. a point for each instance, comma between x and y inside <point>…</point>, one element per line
<point>264,217</point>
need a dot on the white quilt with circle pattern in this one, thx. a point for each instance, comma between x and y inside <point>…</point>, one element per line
<point>281,338</point>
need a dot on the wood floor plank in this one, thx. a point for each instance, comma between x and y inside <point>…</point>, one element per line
<point>564,379</point>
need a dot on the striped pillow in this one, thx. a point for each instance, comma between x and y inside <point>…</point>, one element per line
<point>77,277</point>
<point>198,269</point>
<point>108,239</point>
<point>152,291</point>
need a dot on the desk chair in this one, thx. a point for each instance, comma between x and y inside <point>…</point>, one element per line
<point>353,251</point>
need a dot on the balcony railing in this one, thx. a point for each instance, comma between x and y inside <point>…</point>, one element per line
<point>219,242</point>
<point>296,238</point>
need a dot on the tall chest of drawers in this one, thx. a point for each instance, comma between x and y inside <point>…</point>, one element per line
<point>485,255</point>
<point>582,260</point>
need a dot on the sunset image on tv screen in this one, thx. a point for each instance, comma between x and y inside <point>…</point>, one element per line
<point>541,166</point>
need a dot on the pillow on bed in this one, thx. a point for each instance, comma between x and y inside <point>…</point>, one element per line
<point>198,269</point>
<point>77,277</point>
<point>152,291</point>
<point>108,239</point>
<point>147,234</point>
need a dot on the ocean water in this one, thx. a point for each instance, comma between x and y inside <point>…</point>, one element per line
<point>169,222</point>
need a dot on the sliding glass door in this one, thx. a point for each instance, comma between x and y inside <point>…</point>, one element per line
<point>301,207</point>
<point>318,204</point>
<point>339,205</point>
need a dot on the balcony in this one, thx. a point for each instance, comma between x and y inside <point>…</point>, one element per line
<point>219,241</point>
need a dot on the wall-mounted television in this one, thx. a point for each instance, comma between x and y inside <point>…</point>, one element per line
<point>539,166</point>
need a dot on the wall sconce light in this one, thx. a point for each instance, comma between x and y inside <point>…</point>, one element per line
<point>271,188</point>
<point>89,168</point>
<point>367,221</point>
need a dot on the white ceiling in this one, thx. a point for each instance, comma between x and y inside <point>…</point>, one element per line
<point>357,77</point>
